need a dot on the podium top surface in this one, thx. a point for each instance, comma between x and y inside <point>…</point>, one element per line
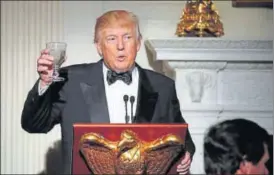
<point>111,125</point>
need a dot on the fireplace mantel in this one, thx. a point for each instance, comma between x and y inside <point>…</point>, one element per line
<point>215,58</point>
<point>218,79</point>
<point>216,49</point>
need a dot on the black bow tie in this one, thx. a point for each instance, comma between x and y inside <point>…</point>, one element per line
<point>124,76</point>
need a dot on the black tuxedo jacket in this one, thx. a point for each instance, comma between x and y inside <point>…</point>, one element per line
<point>81,98</point>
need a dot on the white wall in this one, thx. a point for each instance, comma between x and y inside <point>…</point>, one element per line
<point>27,26</point>
<point>158,20</point>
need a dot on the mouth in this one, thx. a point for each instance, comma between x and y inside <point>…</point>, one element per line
<point>121,58</point>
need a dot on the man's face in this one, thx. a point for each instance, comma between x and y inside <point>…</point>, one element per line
<point>118,44</point>
<point>259,168</point>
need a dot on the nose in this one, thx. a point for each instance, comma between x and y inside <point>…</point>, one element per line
<point>120,44</point>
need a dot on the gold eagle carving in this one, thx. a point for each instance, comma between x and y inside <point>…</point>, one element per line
<point>130,155</point>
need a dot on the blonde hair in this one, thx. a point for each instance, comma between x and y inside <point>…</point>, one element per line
<point>111,17</point>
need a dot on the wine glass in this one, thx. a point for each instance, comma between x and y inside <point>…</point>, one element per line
<point>58,51</point>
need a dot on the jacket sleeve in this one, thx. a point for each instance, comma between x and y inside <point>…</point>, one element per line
<point>41,112</point>
<point>175,113</point>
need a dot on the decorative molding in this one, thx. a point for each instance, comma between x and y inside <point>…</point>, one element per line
<point>220,65</point>
<point>250,66</point>
<point>196,65</point>
<point>210,43</point>
<point>211,49</point>
<point>197,82</point>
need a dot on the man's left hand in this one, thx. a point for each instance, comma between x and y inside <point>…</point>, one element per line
<point>183,167</point>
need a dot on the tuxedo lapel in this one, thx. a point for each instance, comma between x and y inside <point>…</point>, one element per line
<point>147,99</point>
<point>93,90</point>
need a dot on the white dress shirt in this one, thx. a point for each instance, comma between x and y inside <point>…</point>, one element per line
<point>115,94</point>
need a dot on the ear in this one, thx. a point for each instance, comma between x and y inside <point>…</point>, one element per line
<point>99,49</point>
<point>139,44</point>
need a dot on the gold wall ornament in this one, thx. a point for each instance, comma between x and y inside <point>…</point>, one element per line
<point>200,18</point>
<point>130,154</point>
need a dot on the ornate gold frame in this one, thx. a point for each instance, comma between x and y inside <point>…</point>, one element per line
<point>252,3</point>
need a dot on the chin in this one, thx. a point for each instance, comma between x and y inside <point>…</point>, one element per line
<point>121,67</point>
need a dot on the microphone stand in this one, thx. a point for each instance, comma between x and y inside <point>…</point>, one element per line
<point>132,100</point>
<point>125,98</point>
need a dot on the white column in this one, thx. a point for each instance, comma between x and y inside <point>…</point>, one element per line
<point>25,28</point>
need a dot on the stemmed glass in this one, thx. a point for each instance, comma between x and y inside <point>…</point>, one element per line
<point>58,51</point>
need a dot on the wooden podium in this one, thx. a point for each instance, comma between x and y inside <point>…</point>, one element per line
<point>112,133</point>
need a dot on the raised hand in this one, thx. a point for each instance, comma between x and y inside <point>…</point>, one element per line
<point>45,68</point>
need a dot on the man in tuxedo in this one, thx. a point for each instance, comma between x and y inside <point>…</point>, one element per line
<point>94,93</point>
<point>237,146</point>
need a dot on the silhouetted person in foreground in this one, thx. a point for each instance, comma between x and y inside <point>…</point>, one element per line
<point>236,146</point>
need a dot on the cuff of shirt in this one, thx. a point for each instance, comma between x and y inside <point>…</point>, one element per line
<point>41,90</point>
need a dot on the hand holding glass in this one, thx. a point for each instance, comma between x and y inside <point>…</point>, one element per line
<point>58,51</point>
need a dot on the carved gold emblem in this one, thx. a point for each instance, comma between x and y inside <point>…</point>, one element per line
<point>200,18</point>
<point>130,155</point>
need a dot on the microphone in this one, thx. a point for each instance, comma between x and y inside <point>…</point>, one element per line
<point>132,100</point>
<point>126,100</point>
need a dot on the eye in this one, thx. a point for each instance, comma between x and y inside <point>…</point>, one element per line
<point>111,38</point>
<point>127,37</point>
